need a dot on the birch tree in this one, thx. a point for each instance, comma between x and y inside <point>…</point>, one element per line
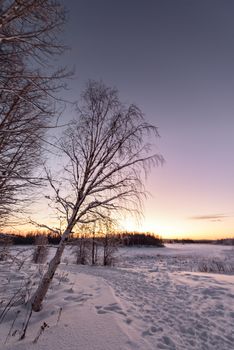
<point>106,153</point>
<point>29,39</point>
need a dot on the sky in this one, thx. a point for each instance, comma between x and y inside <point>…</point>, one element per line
<point>175,60</point>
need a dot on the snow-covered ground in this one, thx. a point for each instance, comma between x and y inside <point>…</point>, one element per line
<point>153,298</point>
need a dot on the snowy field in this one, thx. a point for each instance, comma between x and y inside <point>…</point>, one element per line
<point>153,298</point>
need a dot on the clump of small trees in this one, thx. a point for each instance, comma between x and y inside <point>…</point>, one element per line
<point>97,244</point>
<point>110,245</point>
<point>82,250</point>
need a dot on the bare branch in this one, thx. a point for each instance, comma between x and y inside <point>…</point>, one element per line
<point>106,155</point>
<point>29,101</point>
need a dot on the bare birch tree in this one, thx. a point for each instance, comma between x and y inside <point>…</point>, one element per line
<point>106,154</point>
<point>28,41</point>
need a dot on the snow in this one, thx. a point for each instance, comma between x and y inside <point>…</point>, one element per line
<point>153,298</point>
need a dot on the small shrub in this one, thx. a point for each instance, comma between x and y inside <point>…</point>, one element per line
<point>216,266</point>
<point>110,245</point>
<point>82,251</point>
<point>5,243</point>
<point>41,249</point>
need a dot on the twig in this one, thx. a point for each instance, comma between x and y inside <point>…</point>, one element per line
<point>41,330</point>
<point>59,315</point>
<point>8,305</point>
<point>12,325</point>
<point>26,323</point>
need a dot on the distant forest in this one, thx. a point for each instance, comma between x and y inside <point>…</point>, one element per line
<point>128,239</point>
<point>223,241</point>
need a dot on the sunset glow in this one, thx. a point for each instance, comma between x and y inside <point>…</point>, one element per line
<point>181,75</point>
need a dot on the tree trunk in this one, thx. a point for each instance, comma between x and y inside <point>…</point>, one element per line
<point>44,284</point>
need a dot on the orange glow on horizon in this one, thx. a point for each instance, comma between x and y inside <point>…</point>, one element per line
<point>162,221</point>
<point>161,229</point>
<point>177,229</point>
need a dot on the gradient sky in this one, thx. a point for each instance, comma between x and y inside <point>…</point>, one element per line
<point>175,60</point>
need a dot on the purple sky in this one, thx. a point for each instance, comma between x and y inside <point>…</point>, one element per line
<point>174,59</point>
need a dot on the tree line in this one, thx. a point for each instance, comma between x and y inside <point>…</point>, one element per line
<point>124,239</point>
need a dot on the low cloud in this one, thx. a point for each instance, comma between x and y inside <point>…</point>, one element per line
<point>210,217</point>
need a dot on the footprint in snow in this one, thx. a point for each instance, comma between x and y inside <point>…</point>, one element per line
<point>114,307</point>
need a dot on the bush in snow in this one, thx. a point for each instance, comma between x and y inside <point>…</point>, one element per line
<point>5,243</point>
<point>216,266</point>
<point>82,250</point>
<point>41,249</point>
